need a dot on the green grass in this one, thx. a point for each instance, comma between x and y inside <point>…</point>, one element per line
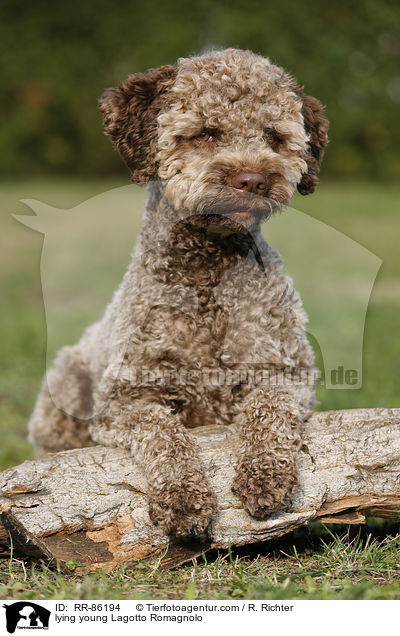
<point>323,566</point>
<point>309,564</point>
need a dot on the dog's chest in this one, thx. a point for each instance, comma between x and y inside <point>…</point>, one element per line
<point>236,321</point>
<point>202,342</point>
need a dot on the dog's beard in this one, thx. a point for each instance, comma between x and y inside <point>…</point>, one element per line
<point>222,204</point>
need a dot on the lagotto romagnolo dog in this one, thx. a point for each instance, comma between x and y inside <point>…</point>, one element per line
<point>222,140</point>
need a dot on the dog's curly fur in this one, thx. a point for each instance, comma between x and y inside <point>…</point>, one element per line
<point>204,290</point>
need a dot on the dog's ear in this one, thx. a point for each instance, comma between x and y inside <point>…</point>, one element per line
<point>130,118</point>
<point>316,125</point>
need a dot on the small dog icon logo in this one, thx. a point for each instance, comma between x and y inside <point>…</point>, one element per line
<point>26,615</point>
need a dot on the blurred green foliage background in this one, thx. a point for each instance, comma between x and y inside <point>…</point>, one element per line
<point>57,57</point>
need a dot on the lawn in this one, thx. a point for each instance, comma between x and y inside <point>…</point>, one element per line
<point>82,263</point>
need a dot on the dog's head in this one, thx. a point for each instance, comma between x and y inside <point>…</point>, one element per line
<point>227,133</point>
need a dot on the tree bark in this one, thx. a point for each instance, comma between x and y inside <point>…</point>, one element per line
<point>89,507</point>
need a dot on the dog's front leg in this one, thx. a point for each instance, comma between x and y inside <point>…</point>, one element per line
<point>180,497</point>
<point>270,422</point>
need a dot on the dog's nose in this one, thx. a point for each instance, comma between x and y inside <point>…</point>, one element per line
<point>250,182</point>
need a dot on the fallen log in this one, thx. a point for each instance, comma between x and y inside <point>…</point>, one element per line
<point>89,507</point>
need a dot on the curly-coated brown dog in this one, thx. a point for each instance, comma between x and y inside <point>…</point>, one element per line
<point>205,328</point>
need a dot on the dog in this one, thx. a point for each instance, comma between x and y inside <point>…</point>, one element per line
<point>222,141</point>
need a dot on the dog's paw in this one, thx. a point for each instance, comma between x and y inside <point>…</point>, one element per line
<point>266,488</point>
<point>183,511</point>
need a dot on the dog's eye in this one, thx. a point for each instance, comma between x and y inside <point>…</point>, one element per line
<point>274,138</point>
<point>205,135</point>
